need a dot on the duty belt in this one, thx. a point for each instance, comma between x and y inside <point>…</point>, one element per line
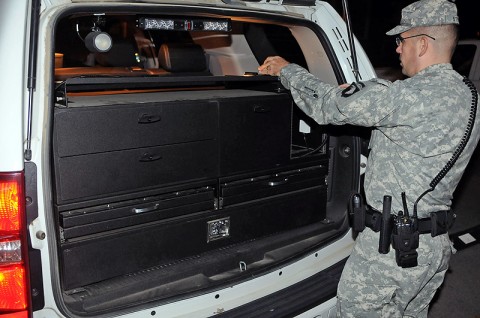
<point>401,231</point>
<point>438,223</point>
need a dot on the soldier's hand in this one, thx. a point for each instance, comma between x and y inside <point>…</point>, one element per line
<point>272,65</point>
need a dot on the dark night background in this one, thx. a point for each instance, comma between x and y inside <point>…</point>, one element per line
<point>372,18</point>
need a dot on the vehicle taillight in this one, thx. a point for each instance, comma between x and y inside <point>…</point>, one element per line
<point>14,299</point>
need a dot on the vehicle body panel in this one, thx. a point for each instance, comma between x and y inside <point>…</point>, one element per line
<point>13,59</point>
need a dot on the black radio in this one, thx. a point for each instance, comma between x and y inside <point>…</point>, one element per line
<point>405,237</point>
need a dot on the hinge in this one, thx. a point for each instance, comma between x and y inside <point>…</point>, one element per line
<point>61,95</point>
<point>62,236</point>
<point>218,203</point>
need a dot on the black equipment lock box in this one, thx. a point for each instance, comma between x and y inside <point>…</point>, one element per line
<point>254,133</point>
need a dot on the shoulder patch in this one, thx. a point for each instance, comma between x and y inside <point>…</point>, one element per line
<point>352,89</point>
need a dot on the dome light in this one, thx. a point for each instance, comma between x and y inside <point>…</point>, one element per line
<point>98,41</point>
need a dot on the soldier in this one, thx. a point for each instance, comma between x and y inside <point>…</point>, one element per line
<point>419,124</point>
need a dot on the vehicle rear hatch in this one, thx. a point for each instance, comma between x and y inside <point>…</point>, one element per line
<point>177,171</point>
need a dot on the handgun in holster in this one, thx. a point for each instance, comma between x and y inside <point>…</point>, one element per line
<point>356,210</point>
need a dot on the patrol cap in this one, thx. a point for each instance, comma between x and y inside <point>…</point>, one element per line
<point>426,13</point>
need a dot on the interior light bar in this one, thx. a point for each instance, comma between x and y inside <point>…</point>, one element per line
<point>222,25</point>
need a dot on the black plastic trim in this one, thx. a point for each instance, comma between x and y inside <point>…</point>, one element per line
<point>34,257</point>
<point>304,3</point>
<point>294,300</point>
<point>121,82</point>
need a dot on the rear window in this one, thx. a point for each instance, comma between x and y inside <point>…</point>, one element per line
<point>153,45</point>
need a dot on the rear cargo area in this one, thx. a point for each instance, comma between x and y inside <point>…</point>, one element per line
<point>172,182</point>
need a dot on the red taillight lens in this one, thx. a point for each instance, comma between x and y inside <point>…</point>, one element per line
<point>13,276</point>
<point>18,314</point>
<point>10,208</point>
<point>12,288</point>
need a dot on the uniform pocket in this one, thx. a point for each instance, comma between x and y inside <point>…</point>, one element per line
<point>368,302</point>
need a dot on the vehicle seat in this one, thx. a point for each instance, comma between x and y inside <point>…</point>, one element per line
<point>183,58</point>
<point>123,53</point>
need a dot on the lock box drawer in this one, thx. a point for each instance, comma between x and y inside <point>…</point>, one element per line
<point>109,173</point>
<point>254,133</point>
<point>116,215</point>
<point>86,130</point>
<point>261,186</point>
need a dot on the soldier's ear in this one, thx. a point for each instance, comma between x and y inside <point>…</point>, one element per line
<point>422,46</point>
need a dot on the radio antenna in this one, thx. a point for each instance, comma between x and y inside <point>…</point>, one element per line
<point>346,14</point>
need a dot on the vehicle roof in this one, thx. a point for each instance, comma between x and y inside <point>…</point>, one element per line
<point>227,3</point>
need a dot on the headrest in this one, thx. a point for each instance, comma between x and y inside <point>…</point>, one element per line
<point>182,57</point>
<point>122,53</point>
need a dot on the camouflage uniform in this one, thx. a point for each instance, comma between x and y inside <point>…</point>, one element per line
<point>418,123</point>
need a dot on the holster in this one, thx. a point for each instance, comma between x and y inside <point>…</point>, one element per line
<point>441,222</point>
<point>356,211</point>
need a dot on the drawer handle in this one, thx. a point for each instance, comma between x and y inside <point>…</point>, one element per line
<point>147,209</point>
<point>148,119</point>
<point>261,109</point>
<point>277,183</point>
<point>147,157</point>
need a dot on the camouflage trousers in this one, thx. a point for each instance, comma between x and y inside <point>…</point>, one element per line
<point>373,285</point>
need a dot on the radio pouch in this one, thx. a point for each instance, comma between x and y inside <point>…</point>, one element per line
<point>405,245</point>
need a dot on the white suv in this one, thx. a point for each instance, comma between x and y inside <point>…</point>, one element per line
<point>146,170</point>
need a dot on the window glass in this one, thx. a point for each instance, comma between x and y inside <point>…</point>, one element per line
<point>463,58</point>
<point>167,52</point>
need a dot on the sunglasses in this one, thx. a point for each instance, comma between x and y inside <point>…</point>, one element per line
<point>399,39</point>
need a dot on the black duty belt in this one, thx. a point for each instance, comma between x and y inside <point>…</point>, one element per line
<point>401,231</point>
<point>438,222</point>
